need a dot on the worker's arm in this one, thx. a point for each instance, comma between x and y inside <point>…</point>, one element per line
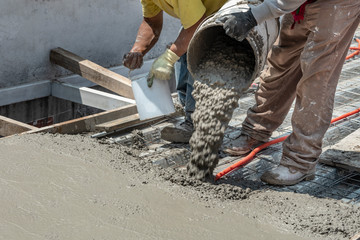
<point>148,34</point>
<point>179,47</point>
<point>238,25</point>
<point>163,66</point>
<point>274,8</point>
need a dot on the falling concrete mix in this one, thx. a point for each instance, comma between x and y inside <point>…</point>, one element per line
<point>222,75</point>
<point>75,187</point>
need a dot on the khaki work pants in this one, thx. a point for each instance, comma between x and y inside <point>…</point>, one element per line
<point>304,64</point>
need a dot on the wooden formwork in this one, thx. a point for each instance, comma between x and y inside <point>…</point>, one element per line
<point>110,120</point>
<point>10,127</point>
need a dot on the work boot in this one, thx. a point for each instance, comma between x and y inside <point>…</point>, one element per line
<point>286,176</point>
<point>180,133</point>
<point>243,145</point>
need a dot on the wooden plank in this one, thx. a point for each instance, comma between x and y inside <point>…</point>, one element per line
<point>128,123</point>
<point>93,72</point>
<point>119,123</point>
<point>10,127</point>
<point>79,81</point>
<point>345,154</point>
<point>88,123</point>
<point>89,97</point>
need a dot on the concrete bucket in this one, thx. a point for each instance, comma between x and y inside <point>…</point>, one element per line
<point>257,43</point>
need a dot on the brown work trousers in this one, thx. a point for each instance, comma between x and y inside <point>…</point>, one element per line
<point>304,64</point>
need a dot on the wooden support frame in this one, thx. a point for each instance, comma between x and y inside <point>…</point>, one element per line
<point>88,123</point>
<point>92,71</point>
<point>40,89</point>
<point>130,121</point>
<point>110,120</point>
<point>120,118</point>
<point>10,127</point>
<point>77,90</point>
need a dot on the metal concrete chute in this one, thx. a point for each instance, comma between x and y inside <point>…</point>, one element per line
<point>260,39</point>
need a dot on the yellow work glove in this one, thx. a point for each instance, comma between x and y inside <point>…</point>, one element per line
<point>163,67</point>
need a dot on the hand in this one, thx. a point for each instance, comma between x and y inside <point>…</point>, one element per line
<point>163,66</point>
<point>133,60</point>
<point>238,25</point>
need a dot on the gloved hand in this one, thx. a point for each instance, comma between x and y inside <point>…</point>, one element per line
<point>133,60</point>
<point>163,66</point>
<point>238,25</point>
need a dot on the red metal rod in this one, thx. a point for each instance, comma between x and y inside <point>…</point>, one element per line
<point>345,115</point>
<point>356,52</point>
<point>251,155</point>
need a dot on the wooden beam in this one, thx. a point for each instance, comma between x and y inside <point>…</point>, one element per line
<point>118,123</point>
<point>92,71</point>
<point>79,81</point>
<point>130,122</point>
<point>93,122</point>
<point>88,123</point>
<point>10,127</point>
<point>89,97</point>
<point>127,122</point>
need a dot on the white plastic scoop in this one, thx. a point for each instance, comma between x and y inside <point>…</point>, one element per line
<point>152,102</point>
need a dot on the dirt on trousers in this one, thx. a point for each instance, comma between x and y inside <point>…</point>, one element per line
<point>75,187</point>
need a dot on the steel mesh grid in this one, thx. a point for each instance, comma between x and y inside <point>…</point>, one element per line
<point>329,181</point>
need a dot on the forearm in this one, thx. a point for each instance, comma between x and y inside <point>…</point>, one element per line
<point>148,34</point>
<point>180,46</point>
<point>274,8</point>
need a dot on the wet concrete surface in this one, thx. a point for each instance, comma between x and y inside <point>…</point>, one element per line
<point>75,187</point>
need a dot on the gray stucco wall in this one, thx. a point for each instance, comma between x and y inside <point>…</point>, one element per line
<point>99,30</point>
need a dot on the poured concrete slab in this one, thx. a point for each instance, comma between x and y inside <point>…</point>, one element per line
<point>72,187</point>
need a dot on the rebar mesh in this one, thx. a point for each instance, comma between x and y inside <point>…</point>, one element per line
<point>329,182</point>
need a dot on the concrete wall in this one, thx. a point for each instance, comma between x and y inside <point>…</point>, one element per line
<point>101,31</point>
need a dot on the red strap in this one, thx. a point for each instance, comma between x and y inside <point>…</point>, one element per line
<point>298,14</point>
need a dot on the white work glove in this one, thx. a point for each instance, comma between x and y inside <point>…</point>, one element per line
<point>163,67</point>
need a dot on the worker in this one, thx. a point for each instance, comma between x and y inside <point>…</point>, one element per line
<point>191,13</point>
<point>304,64</point>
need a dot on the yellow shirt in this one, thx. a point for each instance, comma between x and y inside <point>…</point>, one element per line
<point>188,11</point>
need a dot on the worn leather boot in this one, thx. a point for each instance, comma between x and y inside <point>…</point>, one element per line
<point>243,145</point>
<point>180,133</point>
<point>286,176</point>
